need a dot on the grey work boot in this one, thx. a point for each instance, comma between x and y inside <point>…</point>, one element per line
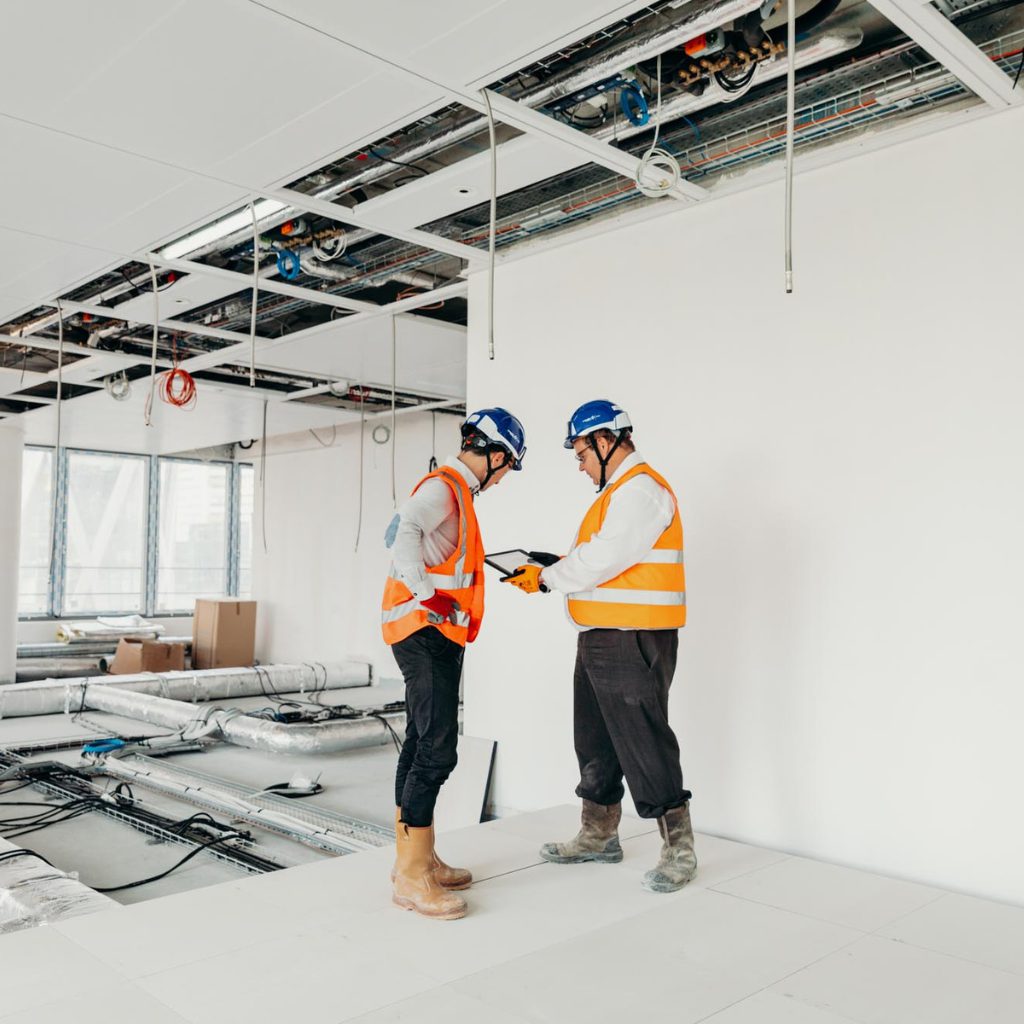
<point>678,862</point>
<point>597,839</point>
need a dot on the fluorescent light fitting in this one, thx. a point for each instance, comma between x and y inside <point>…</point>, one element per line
<point>220,229</point>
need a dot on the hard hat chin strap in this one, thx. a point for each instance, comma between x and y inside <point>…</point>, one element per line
<point>592,441</point>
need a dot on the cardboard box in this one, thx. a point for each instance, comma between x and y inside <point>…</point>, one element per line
<point>223,633</point>
<point>147,656</point>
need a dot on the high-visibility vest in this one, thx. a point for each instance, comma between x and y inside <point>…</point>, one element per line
<point>461,575</point>
<point>648,595</point>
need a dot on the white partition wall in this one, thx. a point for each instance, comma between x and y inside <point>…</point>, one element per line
<point>12,446</point>
<point>848,463</point>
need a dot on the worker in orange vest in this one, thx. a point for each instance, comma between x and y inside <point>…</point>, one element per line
<point>433,605</point>
<point>625,593</point>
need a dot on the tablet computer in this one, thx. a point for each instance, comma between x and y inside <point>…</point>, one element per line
<point>508,561</point>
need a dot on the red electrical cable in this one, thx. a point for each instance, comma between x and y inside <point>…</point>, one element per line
<point>177,386</point>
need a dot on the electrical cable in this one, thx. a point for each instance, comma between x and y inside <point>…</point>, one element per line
<point>255,293</point>
<point>325,444</point>
<point>1020,68</point>
<point>398,163</point>
<point>790,119</point>
<point>164,874</point>
<point>657,160</point>
<point>156,338</point>
<point>11,854</point>
<point>493,230</point>
<point>394,378</point>
<point>56,451</point>
<point>362,432</point>
<point>263,479</point>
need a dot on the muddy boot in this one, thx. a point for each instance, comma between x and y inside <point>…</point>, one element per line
<point>678,863</point>
<point>449,877</point>
<point>415,886</point>
<point>597,839</point>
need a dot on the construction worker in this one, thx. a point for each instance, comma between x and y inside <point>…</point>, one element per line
<point>433,605</point>
<point>626,594</point>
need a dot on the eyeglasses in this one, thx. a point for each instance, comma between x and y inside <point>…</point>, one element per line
<point>581,455</point>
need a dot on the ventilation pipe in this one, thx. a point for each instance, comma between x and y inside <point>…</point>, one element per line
<point>236,727</point>
<point>412,278</point>
<point>33,893</point>
<point>57,696</point>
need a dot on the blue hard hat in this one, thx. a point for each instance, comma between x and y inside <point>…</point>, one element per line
<point>599,414</point>
<point>500,427</point>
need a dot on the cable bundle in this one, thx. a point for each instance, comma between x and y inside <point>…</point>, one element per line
<point>178,388</point>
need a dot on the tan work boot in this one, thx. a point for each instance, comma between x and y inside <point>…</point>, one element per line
<point>416,888</point>
<point>678,862</point>
<point>597,839</point>
<point>447,876</point>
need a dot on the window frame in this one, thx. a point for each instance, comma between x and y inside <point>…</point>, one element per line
<point>58,534</point>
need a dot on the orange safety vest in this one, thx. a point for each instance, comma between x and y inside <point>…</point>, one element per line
<point>461,575</point>
<point>648,595</point>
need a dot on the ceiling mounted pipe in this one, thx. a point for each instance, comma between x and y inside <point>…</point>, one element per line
<point>235,727</point>
<point>59,696</point>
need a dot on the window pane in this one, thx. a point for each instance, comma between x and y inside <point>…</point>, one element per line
<point>192,560</point>
<point>246,500</point>
<point>106,524</point>
<point>36,513</point>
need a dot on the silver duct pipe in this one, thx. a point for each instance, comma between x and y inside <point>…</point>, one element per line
<point>59,696</point>
<point>33,893</point>
<point>235,727</point>
<point>200,793</point>
<point>659,37</point>
<point>413,278</point>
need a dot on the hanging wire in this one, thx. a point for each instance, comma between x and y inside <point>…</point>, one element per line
<point>362,434</point>
<point>493,231</point>
<point>394,377</point>
<point>255,293</point>
<point>56,451</point>
<point>790,118</point>
<point>263,478</point>
<point>156,339</point>
<point>657,160</point>
<point>433,442</point>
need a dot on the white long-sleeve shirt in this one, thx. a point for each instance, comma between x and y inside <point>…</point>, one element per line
<point>638,513</point>
<point>425,529</point>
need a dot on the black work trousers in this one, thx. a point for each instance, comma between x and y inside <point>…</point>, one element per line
<point>431,665</point>
<point>620,718</point>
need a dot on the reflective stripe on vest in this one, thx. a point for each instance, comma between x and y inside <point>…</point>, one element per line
<point>460,576</point>
<point>648,595</point>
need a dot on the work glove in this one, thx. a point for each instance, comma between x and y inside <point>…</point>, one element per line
<point>441,606</point>
<point>526,578</point>
<point>544,557</point>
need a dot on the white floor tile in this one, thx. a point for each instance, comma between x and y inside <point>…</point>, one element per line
<point>487,852</point>
<point>879,981</point>
<point>116,1001</point>
<point>40,965</point>
<point>441,1006</point>
<point>845,896</point>
<point>179,929</point>
<point>771,1008</point>
<point>719,932</point>
<point>318,980</point>
<point>979,930</point>
<point>598,978</point>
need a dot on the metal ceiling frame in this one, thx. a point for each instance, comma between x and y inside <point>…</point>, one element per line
<point>939,37</point>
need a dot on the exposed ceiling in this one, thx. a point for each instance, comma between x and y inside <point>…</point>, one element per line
<point>132,156</point>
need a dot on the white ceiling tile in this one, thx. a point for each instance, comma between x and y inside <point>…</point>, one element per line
<point>14,379</point>
<point>431,354</point>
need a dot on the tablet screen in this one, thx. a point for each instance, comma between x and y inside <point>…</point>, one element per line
<point>509,561</point>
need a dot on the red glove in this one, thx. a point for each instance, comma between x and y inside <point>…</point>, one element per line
<point>442,606</point>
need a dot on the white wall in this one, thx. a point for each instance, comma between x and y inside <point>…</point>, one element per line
<point>319,599</point>
<point>848,465</point>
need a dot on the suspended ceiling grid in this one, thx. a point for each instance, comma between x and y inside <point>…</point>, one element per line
<point>104,171</point>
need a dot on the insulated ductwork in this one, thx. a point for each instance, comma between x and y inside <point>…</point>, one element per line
<point>57,696</point>
<point>234,726</point>
<point>33,893</point>
<point>412,278</point>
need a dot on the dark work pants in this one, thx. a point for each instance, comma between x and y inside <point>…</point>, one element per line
<point>432,666</point>
<point>620,719</point>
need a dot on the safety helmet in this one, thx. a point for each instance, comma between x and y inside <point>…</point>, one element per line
<point>599,414</point>
<point>498,427</point>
